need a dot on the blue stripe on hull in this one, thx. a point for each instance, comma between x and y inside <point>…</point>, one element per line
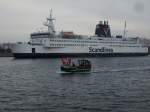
<point>60,55</point>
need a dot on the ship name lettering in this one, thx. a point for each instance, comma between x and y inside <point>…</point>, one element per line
<point>100,50</point>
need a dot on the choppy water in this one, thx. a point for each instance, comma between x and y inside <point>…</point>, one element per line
<point>114,85</point>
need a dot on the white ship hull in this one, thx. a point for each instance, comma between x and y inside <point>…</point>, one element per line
<point>26,51</point>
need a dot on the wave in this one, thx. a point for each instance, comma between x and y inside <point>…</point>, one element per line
<point>123,69</point>
<point>111,70</point>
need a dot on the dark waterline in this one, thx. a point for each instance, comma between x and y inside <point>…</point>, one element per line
<point>120,84</point>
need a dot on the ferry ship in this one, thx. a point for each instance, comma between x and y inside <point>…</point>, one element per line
<point>49,44</point>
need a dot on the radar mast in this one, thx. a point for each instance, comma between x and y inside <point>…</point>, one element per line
<point>50,24</point>
<point>124,32</point>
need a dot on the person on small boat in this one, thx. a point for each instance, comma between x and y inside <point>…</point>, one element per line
<point>73,64</point>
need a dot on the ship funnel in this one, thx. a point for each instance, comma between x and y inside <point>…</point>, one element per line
<point>103,29</point>
<point>101,22</point>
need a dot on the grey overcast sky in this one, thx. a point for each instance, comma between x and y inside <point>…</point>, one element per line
<point>19,18</point>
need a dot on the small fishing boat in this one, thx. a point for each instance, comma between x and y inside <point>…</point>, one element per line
<point>82,65</point>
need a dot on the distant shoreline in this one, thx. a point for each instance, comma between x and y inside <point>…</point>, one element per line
<point>6,55</point>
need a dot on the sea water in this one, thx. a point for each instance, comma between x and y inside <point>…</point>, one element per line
<point>117,84</point>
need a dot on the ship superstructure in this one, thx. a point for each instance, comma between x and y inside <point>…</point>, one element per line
<point>64,44</point>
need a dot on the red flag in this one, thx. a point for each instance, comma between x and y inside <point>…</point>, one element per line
<point>63,61</point>
<point>66,61</point>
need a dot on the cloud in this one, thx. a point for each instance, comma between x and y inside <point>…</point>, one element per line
<point>19,18</point>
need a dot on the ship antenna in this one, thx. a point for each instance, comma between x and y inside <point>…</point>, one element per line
<point>124,33</point>
<point>50,24</point>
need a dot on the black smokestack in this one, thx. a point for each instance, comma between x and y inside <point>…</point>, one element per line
<point>103,29</point>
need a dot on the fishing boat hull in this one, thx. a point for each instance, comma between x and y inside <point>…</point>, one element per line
<point>74,69</point>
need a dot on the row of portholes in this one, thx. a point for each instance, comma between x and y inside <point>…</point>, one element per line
<point>76,41</point>
<point>124,46</point>
<point>64,45</point>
